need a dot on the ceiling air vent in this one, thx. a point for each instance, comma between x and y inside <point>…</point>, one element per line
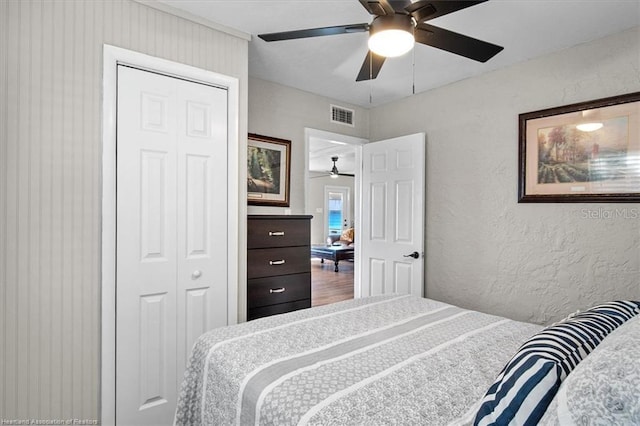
<point>341,115</point>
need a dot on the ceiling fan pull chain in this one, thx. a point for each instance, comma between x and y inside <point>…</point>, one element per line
<point>413,72</point>
<point>370,77</point>
<point>371,92</point>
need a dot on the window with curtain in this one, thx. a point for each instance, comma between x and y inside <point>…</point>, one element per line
<point>336,213</point>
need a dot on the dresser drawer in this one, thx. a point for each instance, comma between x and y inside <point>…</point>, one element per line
<point>273,290</point>
<point>279,261</point>
<point>278,233</point>
<point>280,308</point>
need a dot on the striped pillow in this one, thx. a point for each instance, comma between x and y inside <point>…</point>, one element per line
<point>527,384</point>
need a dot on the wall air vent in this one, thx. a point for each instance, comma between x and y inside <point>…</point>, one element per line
<point>341,115</point>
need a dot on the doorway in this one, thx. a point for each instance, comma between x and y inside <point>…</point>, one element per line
<point>333,199</point>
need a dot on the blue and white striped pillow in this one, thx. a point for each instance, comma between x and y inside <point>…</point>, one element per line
<point>527,384</point>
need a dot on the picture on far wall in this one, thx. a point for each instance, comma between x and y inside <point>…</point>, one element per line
<point>268,171</point>
<point>585,152</point>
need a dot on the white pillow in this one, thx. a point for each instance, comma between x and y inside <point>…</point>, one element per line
<point>604,389</point>
<point>530,381</point>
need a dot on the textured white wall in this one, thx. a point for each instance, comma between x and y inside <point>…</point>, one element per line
<point>50,187</point>
<point>532,262</point>
<point>283,112</point>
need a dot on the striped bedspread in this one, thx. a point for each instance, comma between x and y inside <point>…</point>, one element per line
<point>380,360</point>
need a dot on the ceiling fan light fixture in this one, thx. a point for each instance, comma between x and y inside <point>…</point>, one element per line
<point>391,36</point>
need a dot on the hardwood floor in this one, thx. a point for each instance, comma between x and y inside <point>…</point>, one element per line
<point>328,286</point>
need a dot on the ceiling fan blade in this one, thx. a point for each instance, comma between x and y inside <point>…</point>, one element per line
<point>378,7</point>
<point>315,32</point>
<point>459,44</point>
<point>424,10</point>
<point>371,67</point>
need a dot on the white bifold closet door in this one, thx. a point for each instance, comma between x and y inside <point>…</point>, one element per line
<point>171,281</point>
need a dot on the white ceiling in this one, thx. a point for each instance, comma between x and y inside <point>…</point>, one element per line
<point>321,151</point>
<point>329,65</point>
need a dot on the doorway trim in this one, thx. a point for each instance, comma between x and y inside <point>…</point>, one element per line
<point>112,57</point>
<point>357,143</point>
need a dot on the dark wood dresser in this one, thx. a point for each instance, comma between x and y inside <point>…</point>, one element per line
<point>278,264</point>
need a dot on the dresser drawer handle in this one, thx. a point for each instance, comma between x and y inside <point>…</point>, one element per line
<point>276,290</point>
<point>276,262</point>
<point>276,233</point>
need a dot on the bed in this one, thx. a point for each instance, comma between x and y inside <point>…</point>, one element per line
<point>393,359</point>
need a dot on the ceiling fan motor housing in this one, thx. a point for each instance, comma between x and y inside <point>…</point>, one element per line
<point>391,22</point>
<point>334,170</point>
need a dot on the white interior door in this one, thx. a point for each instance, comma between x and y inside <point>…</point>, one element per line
<point>393,216</point>
<point>171,260</point>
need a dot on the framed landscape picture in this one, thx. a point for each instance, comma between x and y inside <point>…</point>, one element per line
<point>268,171</point>
<point>586,152</point>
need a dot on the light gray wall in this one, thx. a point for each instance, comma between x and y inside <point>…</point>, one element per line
<point>317,184</point>
<point>283,112</point>
<point>532,262</point>
<point>50,187</point>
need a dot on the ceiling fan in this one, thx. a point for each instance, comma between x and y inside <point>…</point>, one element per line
<point>334,173</point>
<point>397,25</point>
